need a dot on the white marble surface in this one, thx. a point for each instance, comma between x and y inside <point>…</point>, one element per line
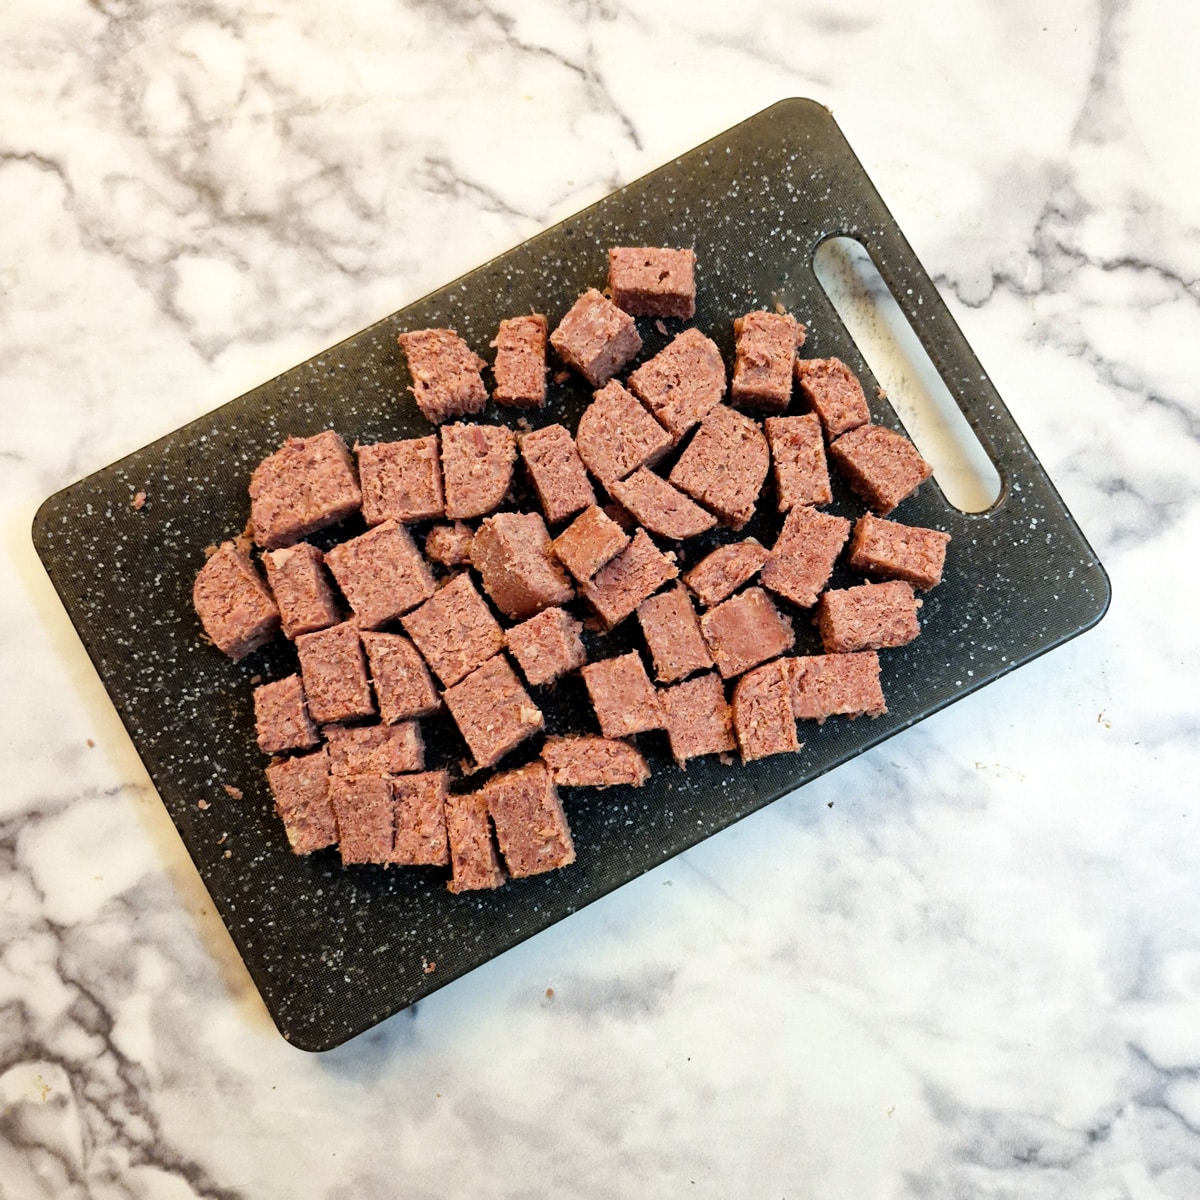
<point>968,964</point>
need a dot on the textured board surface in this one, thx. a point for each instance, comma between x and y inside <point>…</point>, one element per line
<point>334,950</point>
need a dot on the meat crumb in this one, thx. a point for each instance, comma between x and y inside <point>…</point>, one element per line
<point>139,500</point>
<point>228,854</point>
<point>233,793</point>
<point>880,393</point>
<point>91,744</point>
<point>660,327</point>
<point>561,376</point>
<point>202,805</point>
<point>221,839</point>
<point>428,966</point>
<point>726,760</point>
<point>549,993</point>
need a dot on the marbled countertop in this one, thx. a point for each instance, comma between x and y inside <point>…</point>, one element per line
<point>966,964</point>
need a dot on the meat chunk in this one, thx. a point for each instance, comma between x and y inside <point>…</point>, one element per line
<point>474,863</point>
<point>724,465</point>
<point>590,541</point>
<point>651,281</point>
<point>419,835</point>
<point>698,718</point>
<point>826,685</point>
<point>335,674</point>
<point>306,485</point>
<point>403,685</point>
<point>661,508</point>
<point>382,574</point>
<point>762,712</point>
<point>401,481</point>
<point>682,383</point>
<point>872,616</point>
<point>881,465</point>
<point>616,435</point>
<point>589,761</point>
<point>889,550</point>
<point>627,579</point>
<point>547,646</point>
<point>477,466</point>
<point>744,631</point>
<point>455,630</point>
<point>833,393</point>
<point>530,824</point>
<point>300,789</point>
<point>596,338</point>
<point>762,368</point>
<point>719,574</point>
<point>520,367</point>
<point>297,580</point>
<point>236,610</point>
<point>281,717</point>
<point>512,554</point>
<point>557,472</point>
<point>375,749</point>
<point>622,696</point>
<point>672,633</point>
<point>446,382</point>
<point>802,558</point>
<point>798,453</point>
<point>450,545</point>
<point>493,711</point>
<point>366,817</point>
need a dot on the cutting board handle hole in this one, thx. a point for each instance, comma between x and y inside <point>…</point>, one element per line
<point>914,387</point>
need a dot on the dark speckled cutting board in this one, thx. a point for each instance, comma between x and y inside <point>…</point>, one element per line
<point>334,950</point>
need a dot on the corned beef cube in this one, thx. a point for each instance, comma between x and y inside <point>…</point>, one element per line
<point>419,838</point>
<point>590,541</point>
<point>473,859</point>
<point>301,590</point>
<point>802,558</point>
<point>724,465</point>
<point>889,550</point>
<point>798,452</point>
<point>622,695</point>
<point>450,545</point>
<point>382,574</point>
<point>281,717</point>
<point>531,826</point>
<point>520,367</point>
<point>236,610</point>
<point>375,749</point>
<point>672,633</point>
<point>682,383</point>
<point>304,486</point>
<point>557,472</point>
<point>719,574</point>
<point>596,338</point>
<point>660,507</point>
<point>762,712</point>
<point>616,435</point>
<point>335,674</point>
<point>446,382</point>
<point>698,718</point>
<point>401,481</point>
<point>547,646</point>
<point>403,685</point>
<point>762,368</point>
<point>744,631</point>
<point>826,685</point>
<point>365,817</point>
<point>454,630</point>
<point>493,711</point>
<point>585,760</point>
<point>834,393</point>
<point>300,788</point>
<point>627,579</point>
<point>653,281</point>
<point>881,465</point>
<point>512,554</point>
<point>477,466</point>
<point>872,616</point>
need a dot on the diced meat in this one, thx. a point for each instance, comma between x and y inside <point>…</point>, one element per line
<point>596,338</point>
<point>762,712</point>
<point>719,574</point>
<point>881,465</point>
<point>653,281</point>
<point>724,465</point>
<point>450,545</point>
<point>588,761</point>
<point>889,550</point>
<point>672,633</point>
<point>590,541</point>
<point>661,508</point>
<point>401,481</point>
<point>622,696</point>
<point>682,383</point>
<point>833,393</point>
<point>233,604</point>
<point>512,554</point>
<point>826,685</point>
<point>300,789</point>
<point>872,616</point>
<point>626,580</point>
<point>520,367</point>
<point>762,368</point>
<point>531,827</point>
<point>557,472</point>
<point>402,682</point>
<point>547,646</point>
<point>744,631</point>
<point>281,717</point>
<point>455,630</point>
<point>366,817</point>
<point>304,486</point>
<point>473,859</point>
<point>375,749</point>
<point>477,466</point>
<point>382,574</point>
<point>802,558</point>
<point>493,711</point>
<point>616,435</point>
<point>297,580</point>
<point>335,674</point>
<point>419,837</point>
<point>446,382</point>
<point>798,453</point>
<point>698,718</point>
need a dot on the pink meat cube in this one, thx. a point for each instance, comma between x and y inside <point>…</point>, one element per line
<point>826,685</point>
<point>531,826</point>
<point>557,472</point>
<point>585,760</point>
<point>622,695</point>
<point>798,452</point>
<point>403,685</point>
<point>236,610</point>
<point>335,674</point>
<point>762,369</point>
<point>660,507</point>
<point>833,393</point>
<point>719,574</point>
<point>653,281</point>
<point>872,616</point>
<point>401,481</point>
<point>682,383</point>
<point>616,435</point>
<point>301,590</point>
<point>365,817</point>
<point>596,338</point>
<point>672,633</point>
<point>744,631</point>
<point>881,465</point>
<point>547,646</point>
<point>375,749</point>
<point>419,837</point>
<point>493,712</point>
<point>626,580</point>
<point>474,863</point>
<point>446,382</point>
<point>590,541</point>
<point>802,558</point>
<point>889,550</point>
<point>762,712</point>
<point>698,718</point>
<point>520,367</point>
<point>512,554</point>
<point>281,717</point>
<point>477,466</point>
<point>300,789</point>
<point>724,465</point>
<point>455,630</point>
<point>382,574</point>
